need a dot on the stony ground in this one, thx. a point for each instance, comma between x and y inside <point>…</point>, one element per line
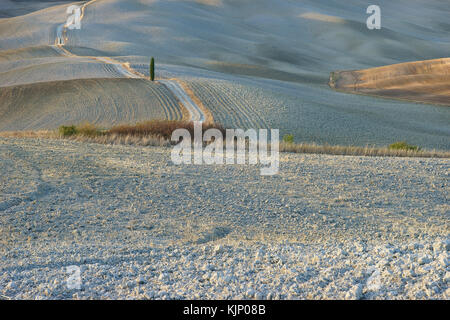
<point>139,226</point>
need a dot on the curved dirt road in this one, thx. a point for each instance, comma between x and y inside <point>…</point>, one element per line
<point>61,29</point>
<point>195,112</point>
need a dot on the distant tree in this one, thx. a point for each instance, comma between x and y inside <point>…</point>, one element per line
<point>152,69</point>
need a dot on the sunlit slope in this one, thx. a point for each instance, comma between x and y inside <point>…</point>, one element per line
<point>422,81</point>
<point>43,64</point>
<point>33,29</point>
<point>101,101</point>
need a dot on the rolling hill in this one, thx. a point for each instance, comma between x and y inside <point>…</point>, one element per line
<point>422,81</point>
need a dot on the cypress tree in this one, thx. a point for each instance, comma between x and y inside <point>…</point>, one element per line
<point>152,69</point>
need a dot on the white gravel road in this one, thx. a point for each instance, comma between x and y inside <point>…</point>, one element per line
<point>195,112</point>
<point>140,227</point>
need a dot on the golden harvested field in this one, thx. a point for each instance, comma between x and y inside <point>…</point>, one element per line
<point>420,81</point>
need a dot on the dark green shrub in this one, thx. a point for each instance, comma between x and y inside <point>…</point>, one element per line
<point>67,131</point>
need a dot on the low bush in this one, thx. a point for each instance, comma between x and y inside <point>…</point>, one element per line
<point>85,129</point>
<point>403,145</point>
<point>288,138</point>
<point>67,131</point>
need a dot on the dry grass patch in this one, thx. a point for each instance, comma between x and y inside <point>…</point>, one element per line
<point>159,133</point>
<point>30,134</point>
<point>159,128</point>
<point>117,139</point>
<point>361,151</point>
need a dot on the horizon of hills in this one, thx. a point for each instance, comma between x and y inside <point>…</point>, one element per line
<point>271,58</point>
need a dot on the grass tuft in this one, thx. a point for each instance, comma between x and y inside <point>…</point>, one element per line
<point>288,138</point>
<point>88,129</point>
<point>85,129</point>
<point>403,145</point>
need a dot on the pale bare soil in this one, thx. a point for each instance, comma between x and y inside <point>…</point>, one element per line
<point>141,227</point>
<point>45,64</point>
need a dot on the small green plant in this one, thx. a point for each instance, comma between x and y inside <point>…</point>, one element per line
<point>403,145</point>
<point>67,131</point>
<point>152,69</point>
<point>288,138</point>
<point>84,129</point>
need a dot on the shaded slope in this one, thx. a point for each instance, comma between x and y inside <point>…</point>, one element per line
<point>13,8</point>
<point>299,41</point>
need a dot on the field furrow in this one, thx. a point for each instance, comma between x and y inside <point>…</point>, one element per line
<point>105,102</point>
<point>225,107</point>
